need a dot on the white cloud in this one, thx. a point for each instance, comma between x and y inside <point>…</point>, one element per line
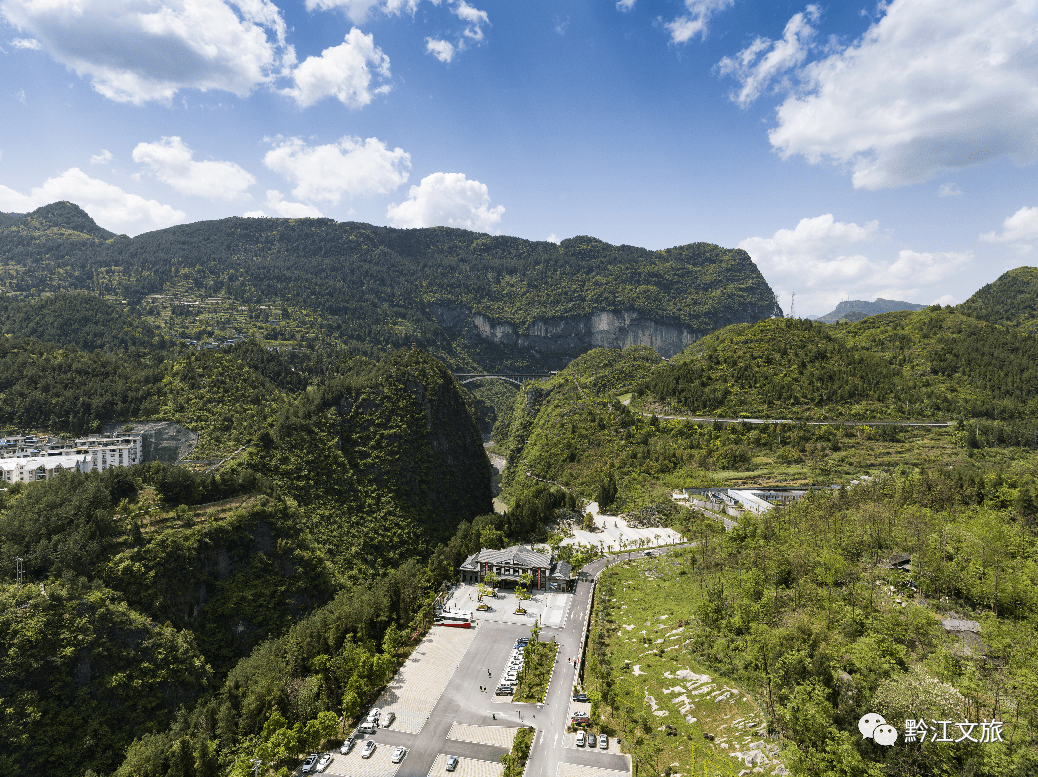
<point>170,160</point>
<point>553,239</point>
<point>441,49</point>
<point>757,65</point>
<point>947,299</point>
<point>140,50</point>
<point>358,10</point>
<point>351,167</point>
<point>343,72</point>
<point>822,260</point>
<point>688,26</point>
<point>625,5</point>
<point>474,19</point>
<point>1020,229</point>
<point>932,85</point>
<point>949,190</point>
<point>289,210</point>
<point>20,96</point>
<point>449,200</point>
<point>101,159</point>
<point>108,205</point>
<point>26,43</point>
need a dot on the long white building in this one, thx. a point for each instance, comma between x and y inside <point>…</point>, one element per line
<point>28,458</point>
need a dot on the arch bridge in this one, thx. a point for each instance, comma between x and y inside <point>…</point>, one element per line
<point>517,379</point>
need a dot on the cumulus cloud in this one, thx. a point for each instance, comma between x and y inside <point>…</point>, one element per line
<point>949,190</point>
<point>358,10</point>
<point>141,50</point>
<point>352,167</point>
<point>26,43</point>
<point>693,23</point>
<point>108,205</point>
<point>101,159</point>
<point>824,261</point>
<point>1021,228</point>
<point>474,19</point>
<point>757,65</point>
<point>344,72</point>
<point>289,210</point>
<point>625,5</point>
<point>932,85</point>
<point>553,239</point>
<point>170,160</point>
<point>448,200</point>
<point>441,49</point>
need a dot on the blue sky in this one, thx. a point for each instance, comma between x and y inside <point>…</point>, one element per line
<point>853,151</point>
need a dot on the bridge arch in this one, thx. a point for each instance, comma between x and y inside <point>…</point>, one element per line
<point>494,377</point>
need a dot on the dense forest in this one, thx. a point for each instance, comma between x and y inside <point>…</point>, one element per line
<point>369,289</point>
<point>1011,299</point>
<point>934,363</point>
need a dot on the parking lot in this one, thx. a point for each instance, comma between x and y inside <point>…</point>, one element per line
<point>467,767</point>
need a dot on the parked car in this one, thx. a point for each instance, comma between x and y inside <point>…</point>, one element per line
<point>580,697</point>
<point>323,762</point>
<point>603,741</point>
<point>452,763</point>
<point>592,740</point>
<point>348,744</point>
<point>504,690</point>
<point>389,718</point>
<point>368,727</point>
<point>580,739</point>
<point>398,755</point>
<point>375,712</point>
<point>369,748</point>
<point>648,553</point>
<point>310,763</point>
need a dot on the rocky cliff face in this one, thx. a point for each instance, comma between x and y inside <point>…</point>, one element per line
<point>557,336</point>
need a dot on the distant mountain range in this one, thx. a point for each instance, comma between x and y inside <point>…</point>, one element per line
<point>857,309</point>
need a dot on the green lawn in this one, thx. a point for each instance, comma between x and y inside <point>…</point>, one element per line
<point>661,702</point>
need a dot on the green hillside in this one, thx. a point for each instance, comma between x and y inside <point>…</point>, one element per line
<point>934,363</point>
<point>372,289</point>
<point>1011,299</point>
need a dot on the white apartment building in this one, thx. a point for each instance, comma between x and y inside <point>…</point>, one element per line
<point>28,458</point>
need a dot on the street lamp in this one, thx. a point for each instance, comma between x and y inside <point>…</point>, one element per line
<point>255,766</point>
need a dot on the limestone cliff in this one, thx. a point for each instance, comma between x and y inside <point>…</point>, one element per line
<point>571,335</point>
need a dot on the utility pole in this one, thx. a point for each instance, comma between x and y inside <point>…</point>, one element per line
<point>793,306</point>
<point>18,570</point>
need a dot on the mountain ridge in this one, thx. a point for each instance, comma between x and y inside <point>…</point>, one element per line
<point>373,289</point>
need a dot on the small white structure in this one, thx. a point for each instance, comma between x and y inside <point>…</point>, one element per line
<point>750,501</point>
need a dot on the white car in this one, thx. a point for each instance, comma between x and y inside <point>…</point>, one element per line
<point>310,763</point>
<point>580,739</point>
<point>348,745</point>
<point>388,719</point>
<point>369,748</point>
<point>323,762</point>
<point>398,754</point>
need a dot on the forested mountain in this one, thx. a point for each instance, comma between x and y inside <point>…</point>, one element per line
<point>934,363</point>
<point>375,288</point>
<point>856,309</point>
<point>78,319</point>
<point>1011,299</point>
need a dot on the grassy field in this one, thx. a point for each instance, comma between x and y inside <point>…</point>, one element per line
<point>533,682</point>
<point>664,706</point>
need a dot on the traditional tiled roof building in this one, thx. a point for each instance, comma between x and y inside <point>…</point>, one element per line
<point>546,572</point>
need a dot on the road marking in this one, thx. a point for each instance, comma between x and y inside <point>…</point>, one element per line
<point>556,744</point>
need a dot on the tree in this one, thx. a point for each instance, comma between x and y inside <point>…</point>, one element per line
<point>589,522</point>
<point>491,579</point>
<point>392,639</point>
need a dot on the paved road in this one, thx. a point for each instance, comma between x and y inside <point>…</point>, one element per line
<point>548,751</point>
